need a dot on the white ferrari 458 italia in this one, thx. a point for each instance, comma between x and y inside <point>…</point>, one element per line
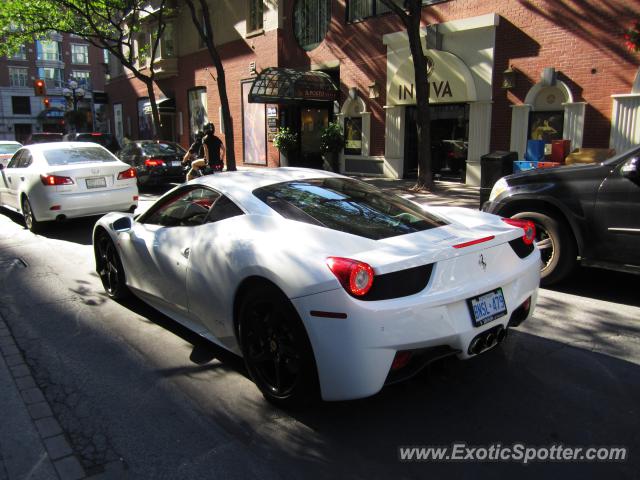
<point>325,285</point>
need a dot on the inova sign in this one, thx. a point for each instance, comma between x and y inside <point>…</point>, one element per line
<point>450,81</point>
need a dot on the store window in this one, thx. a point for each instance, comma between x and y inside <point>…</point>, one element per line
<point>311,20</point>
<point>48,50</point>
<point>79,54</point>
<point>197,111</point>
<point>167,46</point>
<point>145,120</point>
<point>255,17</point>
<point>18,76</point>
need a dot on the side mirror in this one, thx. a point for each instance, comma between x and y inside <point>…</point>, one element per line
<point>123,224</point>
<point>630,168</point>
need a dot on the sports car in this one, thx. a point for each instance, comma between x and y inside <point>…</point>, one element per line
<point>326,286</point>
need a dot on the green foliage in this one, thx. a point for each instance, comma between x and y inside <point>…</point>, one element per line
<point>331,138</point>
<point>285,140</point>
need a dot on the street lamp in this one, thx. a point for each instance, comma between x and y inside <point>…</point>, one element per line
<point>73,92</point>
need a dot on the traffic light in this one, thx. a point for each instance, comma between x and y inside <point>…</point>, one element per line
<point>46,102</point>
<point>39,87</point>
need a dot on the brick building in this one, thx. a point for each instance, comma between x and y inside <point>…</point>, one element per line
<point>56,60</point>
<point>501,72</point>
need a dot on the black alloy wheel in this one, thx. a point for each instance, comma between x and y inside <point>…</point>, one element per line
<point>109,268</point>
<point>276,348</point>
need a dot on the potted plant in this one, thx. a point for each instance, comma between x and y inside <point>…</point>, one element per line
<point>331,143</point>
<point>285,141</point>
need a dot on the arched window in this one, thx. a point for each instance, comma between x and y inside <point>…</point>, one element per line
<point>311,20</point>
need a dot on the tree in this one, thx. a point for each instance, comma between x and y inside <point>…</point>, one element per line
<point>113,25</point>
<point>202,23</point>
<point>411,20</point>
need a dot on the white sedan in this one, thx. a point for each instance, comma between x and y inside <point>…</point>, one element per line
<point>7,149</point>
<point>56,181</point>
<point>324,284</point>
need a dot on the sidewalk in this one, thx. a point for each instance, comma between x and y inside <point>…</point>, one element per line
<point>32,444</point>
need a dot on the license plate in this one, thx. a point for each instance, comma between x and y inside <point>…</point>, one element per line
<point>176,163</point>
<point>487,307</point>
<point>96,182</point>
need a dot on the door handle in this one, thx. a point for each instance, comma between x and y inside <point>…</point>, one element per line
<point>185,252</point>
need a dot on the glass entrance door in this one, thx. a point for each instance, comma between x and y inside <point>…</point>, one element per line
<point>312,122</point>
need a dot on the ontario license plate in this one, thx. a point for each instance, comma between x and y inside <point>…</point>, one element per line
<point>487,307</point>
<point>176,163</point>
<point>99,182</point>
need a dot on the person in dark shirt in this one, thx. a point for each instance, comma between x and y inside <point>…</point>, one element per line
<point>213,147</point>
<point>193,156</point>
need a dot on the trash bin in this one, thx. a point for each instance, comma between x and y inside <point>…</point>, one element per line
<point>493,166</point>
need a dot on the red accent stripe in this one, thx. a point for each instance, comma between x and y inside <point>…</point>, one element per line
<point>317,313</point>
<point>473,242</point>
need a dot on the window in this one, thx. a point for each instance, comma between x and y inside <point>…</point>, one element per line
<point>79,54</point>
<point>83,77</point>
<point>188,207</point>
<point>205,26</point>
<point>197,99</point>
<point>71,155</point>
<point>21,105</point>
<point>311,20</point>
<point>254,20</point>
<point>48,50</point>
<point>21,54</point>
<point>53,77</point>
<point>348,206</point>
<point>361,9</point>
<point>167,45</point>
<point>18,76</point>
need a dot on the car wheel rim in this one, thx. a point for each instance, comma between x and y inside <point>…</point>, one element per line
<point>271,350</point>
<point>546,245</point>
<point>108,266</point>
<point>28,214</point>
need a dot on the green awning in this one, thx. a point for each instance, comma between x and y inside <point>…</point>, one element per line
<point>286,85</point>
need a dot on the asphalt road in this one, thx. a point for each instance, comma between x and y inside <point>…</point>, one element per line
<point>137,398</point>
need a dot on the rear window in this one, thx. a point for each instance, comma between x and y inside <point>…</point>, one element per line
<point>102,139</point>
<point>162,149</point>
<point>8,148</point>
<point>72,155</point>
<point>349,206</point>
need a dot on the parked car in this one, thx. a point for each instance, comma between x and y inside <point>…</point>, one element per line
<point>44,137</point>
<point>324,284</point>
<point>107,140</point>
<point>56,181</point>
<point>585,211</point>
<point>7,149</point>
<point>156,161</point>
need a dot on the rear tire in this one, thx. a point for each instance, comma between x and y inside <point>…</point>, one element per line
<point>276,348</point>
<point>29,217</point>
<point>110,269</point>
<point>557,246</point>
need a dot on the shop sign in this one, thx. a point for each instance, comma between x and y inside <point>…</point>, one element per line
<point>450,81</point>
<point>317,94</point>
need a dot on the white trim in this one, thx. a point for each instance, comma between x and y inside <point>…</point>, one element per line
<point>535,90</point>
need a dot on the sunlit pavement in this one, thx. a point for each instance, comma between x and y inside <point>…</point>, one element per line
<point>121,383</point>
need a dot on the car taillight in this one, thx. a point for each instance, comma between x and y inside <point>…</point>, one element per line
<point>356,277</point>
<point>528,227</point>
<point>53,180</point>
<point>126,174</point>
<point>153,162</point>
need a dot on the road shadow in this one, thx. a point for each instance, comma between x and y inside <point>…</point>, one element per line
<point>599,284</point>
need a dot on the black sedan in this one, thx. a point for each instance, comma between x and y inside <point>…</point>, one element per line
<point>156,161</point>
<point>587,212</point>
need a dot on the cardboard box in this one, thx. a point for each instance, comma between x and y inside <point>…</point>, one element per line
<point>589,155</point>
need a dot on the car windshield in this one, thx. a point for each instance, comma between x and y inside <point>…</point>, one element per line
<point>347,205</point>
<point>162,149</point>
<point>71,155</point>
<point>8,148</point>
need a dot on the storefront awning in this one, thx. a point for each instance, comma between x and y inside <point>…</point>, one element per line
<point>286,85</point>
<point>165,105</point>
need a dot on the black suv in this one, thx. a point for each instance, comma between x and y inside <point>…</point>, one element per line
<point>107,140</point>
<point>590,212</point>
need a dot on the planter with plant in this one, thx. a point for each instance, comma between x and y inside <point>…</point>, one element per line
<point>331,144</point>
<point>286,141</point>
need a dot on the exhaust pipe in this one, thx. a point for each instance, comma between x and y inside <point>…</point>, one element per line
<point>487,340</point>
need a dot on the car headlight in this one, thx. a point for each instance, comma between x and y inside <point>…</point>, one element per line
<point>498,188</point>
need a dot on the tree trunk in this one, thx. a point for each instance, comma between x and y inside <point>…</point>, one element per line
<point>155,114</point>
